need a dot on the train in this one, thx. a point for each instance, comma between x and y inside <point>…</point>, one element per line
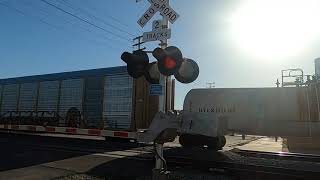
<point>291,111</point>
<point>105,101</point>
<point>283,112</point>
<point>108,102</point>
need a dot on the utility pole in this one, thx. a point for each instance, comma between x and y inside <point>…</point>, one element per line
<point>138,43</point>
<point>162,99</point>
<point>160,31</point>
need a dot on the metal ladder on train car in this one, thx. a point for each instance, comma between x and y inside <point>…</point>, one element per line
<point>311,92</point>
<point>313,100</point>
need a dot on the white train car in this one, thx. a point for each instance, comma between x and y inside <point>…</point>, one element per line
<point>210,114</point>
<point>261,111</point>
<point>291,111</point>
<point>286,112</point>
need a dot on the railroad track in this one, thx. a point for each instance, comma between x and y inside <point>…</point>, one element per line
<point>248,164</point>
<point>279,155</point>
<point>231,163</point>
<point>246,169</point>
<point>116,152</point>
<point>80,146</point>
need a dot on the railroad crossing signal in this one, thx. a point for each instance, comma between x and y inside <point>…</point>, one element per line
<point>169,60</point>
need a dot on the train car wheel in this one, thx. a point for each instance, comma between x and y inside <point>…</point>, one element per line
<point>216,143</point>
<point>73,117</point>
<point>186,140</point>
<point>213,143</point>
<point>222,141</point>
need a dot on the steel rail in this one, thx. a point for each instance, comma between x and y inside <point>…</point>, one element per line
<point>247,166</point>
<point>244,170</point>
<point>279,155</point>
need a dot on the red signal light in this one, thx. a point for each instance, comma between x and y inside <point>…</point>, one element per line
<point>169,63</point>
<point>169,60</point>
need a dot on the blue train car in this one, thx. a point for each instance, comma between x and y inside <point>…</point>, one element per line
<point>106,98</point>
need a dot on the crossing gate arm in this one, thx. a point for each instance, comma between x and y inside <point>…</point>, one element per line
<point>70,130</point>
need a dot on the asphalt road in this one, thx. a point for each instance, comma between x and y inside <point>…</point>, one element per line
<point>30,157</point>
<point>34,157</point>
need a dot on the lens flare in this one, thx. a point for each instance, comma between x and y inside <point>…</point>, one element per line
<point>274,29</point>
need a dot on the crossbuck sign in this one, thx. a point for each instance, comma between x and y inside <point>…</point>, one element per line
<point>163,7</point>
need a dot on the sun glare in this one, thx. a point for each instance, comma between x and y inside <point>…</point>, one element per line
<point>274,29</point>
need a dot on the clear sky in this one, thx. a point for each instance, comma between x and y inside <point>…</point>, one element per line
<point>237,43</point>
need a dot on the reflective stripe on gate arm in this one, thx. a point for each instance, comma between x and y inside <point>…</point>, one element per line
<point>32,128</point>
<point>120,134</point>
<point>14,126</point>
<point>68,130</point>
<point>94,132</point>
<point>50,129</point>
<point>71,130</point>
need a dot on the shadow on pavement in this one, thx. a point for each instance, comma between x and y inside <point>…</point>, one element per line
<point>123,168</point>
<point>127,168</point>
<point>19,150</point>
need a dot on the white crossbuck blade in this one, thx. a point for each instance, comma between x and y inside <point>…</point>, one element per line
<point>163,7</point>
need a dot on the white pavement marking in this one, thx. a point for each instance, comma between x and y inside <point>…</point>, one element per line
<point>266,144</point>
<point>123,153</point>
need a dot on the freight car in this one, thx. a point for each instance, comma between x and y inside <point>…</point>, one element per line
<point>106,102</point>
<point>210,114</point>
<point>291,111</point>
<point>284,112</point>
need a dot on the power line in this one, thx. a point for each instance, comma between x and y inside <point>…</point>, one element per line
<point>88,22</point>
<point>36,18</point>
<point>113,18</point>
<point>70,22</point>
<point>95,17</point>
<point>25,14</point>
